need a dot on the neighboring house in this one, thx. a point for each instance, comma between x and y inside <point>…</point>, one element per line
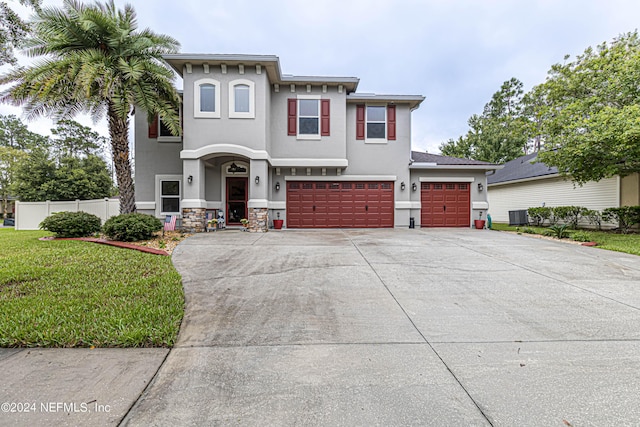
<point>310,150</point>
<point>525,183</point>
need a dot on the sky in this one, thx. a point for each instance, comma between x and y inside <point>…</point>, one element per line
<point>456,53</point>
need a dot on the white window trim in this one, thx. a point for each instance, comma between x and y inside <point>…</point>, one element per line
<point>232,100</point>
<point>159,179</point>
<point>307,136</point>
<point>196,99</point>
<point>368,140</point>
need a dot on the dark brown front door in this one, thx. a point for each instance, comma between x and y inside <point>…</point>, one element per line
<point>236,200</point>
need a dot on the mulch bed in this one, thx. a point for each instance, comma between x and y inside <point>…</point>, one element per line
<point>112,243</point>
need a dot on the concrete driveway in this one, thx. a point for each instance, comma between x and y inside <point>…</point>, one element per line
<point>400,327</point>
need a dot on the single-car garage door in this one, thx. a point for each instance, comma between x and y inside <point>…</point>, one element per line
<point>445,204</point>
<point>314,204</point>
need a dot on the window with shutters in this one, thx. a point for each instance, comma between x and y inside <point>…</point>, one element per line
<point>309,117</point>
<point>160,131</point>
<point>376,123</point>
<point>206,95</point>
<point>242,99</point>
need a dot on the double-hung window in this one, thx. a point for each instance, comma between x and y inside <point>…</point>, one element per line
<point>169,195</point>
<point>206,98</point>
<point>376,123</point>
<point>309,117</point>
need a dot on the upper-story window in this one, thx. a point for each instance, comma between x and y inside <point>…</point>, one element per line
<point>206,98</point>
<point>160,131</point>
<point>242,99</point>
<point>376,123</point>
<point>309,117</point>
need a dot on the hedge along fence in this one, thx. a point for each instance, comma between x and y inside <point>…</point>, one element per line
<point>625,217</point>
<point>29,215</point>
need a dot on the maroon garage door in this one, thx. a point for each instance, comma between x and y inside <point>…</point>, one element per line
<point>445,204</point>
<point>339,204</point>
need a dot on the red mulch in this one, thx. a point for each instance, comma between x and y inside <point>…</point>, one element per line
<point>112,243</point>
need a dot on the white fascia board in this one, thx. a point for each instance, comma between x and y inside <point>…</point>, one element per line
<point>257,203</point>
<point>224,148</point>
<point>193,203</point>
<point>408,205</point>
<point>517,181</point>
<point>447,179</point>
<point>343,178</point>
<point>277,205</point>
<point>146,205</point>
<point>455,167</point>
<point>311,163</point>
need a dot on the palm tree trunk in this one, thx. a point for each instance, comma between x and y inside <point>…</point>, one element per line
<point>119,133</point>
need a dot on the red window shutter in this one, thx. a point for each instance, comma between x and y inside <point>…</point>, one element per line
<point>325,110</point>
<point>153,128</point>
<point>360,121</point>
<point>292,107</point>
<point>391,122</point>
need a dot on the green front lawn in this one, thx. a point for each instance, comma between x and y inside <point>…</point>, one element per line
<point>628,243</point>
<point>78,294</point>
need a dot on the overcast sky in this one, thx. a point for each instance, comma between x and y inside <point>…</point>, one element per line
<point>455,53</point>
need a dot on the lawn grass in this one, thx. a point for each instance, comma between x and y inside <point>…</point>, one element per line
<point>627,243</point>
<point>78,294</point>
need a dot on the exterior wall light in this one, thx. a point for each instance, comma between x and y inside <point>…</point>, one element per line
<point>190,179</point>
<point>414,187</point>
<point>278,189</point>
<point>480,187</point>
<point>257,180</point>
<point>402,186</point>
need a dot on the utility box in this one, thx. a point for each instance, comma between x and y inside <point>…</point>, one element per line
<point>519,217</point>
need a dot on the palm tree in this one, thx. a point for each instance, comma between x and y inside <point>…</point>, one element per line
<point>92,59</point>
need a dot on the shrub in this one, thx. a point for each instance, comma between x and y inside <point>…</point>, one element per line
<point>558,231</point>
<point>625,216</point>
<point>569,215</point>
<point>581,236</point>
<point>594,217</point>
<point>539,215</point>
<point>131,227</point>
<point>71,224</point>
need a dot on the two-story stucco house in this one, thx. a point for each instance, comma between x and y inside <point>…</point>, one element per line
<point>309,150</point>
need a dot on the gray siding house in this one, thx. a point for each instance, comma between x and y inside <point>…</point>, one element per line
<point>309,150</point>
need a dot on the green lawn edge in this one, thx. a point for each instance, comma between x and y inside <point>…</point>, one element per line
<point>626,243</point>
<point>78,294</point>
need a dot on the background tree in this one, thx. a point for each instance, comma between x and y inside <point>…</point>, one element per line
<point>13,30</point>
<point>9,160</point>
<point>591,112</point>
<point>71,139</point>
<point>500,133</point>
<point>14,134</point>
<point>39,177</point>
<point>95,61</point>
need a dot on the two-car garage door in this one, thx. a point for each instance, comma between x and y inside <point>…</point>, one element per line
<point>328,204</point>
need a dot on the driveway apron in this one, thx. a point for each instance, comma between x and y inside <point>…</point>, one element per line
<point>399,327</point>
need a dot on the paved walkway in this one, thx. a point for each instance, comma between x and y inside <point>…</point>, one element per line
<point>400,327</point>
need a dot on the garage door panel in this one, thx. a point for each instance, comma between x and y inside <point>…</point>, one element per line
<point>445,204</point>
<point>339,204</point>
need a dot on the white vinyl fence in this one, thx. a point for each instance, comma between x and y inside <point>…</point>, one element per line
<point>29,215</point>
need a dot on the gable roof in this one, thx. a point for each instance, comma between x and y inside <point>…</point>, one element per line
<point>524,167</point>
<point>420,160</point>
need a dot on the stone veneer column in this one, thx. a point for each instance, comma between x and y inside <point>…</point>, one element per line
<point>258,220</point>
<point>194,220</point>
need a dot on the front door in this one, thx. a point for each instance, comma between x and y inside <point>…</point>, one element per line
<point>236,200</point>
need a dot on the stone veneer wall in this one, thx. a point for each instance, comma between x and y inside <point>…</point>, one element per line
<point>258,220</point>
<point>194,220</point>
